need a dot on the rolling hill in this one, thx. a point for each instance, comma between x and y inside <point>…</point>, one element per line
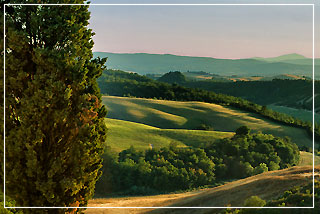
<point>291,59</point>
<point>285,57</point>
<point>267,186</point>
<point>143,63</point>
<point>190,115</point>
<point>123,134</point>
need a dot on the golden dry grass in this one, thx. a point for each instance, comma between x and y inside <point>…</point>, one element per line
<point>267,186</point>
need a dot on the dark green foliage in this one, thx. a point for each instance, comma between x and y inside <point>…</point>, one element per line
<point>205,127</point>
<point>246,155</point>
<point>293,93</point>
<point>243,130</point>
<point>173,77</point>
<point>119,83</point>
<point>260,169</point>
<point>1,106</point>
<point>54,117</point>
<point>173,168</point>
<point>298,196</point>
<point>254,201</point>
<point>9,203</point>
<point>152,171</point>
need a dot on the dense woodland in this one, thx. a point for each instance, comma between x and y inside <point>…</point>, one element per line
<point>120,83</point>
<point>180,168</point>
<point>266,92</point>
<point>260,92</point>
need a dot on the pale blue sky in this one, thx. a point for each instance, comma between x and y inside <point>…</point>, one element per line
<point>212,31</point>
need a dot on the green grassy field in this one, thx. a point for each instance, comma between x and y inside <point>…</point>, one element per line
<point>298,113</point>
<point>123,134</point>
<point>189,115</point>
<point>306,159</point>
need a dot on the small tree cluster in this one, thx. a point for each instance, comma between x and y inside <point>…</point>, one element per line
<point>172,168</point>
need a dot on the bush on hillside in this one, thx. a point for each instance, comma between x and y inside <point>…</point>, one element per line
<point>205,127</point>
<point>254,201</point>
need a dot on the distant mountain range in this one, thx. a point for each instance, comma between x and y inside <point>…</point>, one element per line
<point>142,63</point>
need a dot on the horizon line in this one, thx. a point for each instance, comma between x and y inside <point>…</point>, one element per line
<point>253,57</point>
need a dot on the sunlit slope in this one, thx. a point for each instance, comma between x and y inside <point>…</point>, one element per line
<point>189,115</point>
<point>123,134</point>
<point>306,159</point>
<point>268,185</point>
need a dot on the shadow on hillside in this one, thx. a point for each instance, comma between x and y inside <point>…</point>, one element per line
<point>187,115</point>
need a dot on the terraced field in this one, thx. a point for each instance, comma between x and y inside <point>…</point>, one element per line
<point>189,115</point>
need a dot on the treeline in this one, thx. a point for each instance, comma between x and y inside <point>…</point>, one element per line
<point>174,168</point>
<point>120,83</point>
<point>292,93</point>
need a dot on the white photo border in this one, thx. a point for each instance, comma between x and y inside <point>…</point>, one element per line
<point>4,93</point>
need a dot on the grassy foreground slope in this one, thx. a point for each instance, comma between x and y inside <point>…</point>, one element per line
<point>123,134</point>
<point>267,186</point>
<point>189,115</point>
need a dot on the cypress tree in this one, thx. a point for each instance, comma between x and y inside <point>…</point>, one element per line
<point>54,117</point>
<point>1,105</point>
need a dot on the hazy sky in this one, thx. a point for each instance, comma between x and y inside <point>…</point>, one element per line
<point>212,31</point>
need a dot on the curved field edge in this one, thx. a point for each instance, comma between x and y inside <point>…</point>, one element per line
<point>267,186</point>
<point>190,115</point>
<point>123,134</point>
